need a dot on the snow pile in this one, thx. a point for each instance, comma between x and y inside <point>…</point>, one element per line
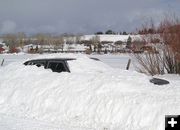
<point>93,96</point>
<point>82,63</point>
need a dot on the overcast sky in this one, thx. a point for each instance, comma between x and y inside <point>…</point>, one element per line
<point>80,16</point>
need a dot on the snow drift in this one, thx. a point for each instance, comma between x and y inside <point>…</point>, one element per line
<point>93,96</point>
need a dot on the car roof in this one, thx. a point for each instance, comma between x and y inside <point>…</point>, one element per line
<point>49,59</point>
<point>55,59</point>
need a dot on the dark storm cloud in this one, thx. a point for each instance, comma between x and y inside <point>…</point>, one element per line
<point>80,16</point>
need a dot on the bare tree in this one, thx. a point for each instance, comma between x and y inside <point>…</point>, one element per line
<point>170,33</point>
<point>168,58</point>
<point>11,42</point>
<point>95,40</point>
<point>21,36</point>
<point>78,39</point>
<point>59,42</point>
<point>40,38</point>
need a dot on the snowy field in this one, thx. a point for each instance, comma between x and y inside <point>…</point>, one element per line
<point>115,61</point>
<point>94,96</point>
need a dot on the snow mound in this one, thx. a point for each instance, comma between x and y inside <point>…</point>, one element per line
<point>96,97</point>
<point>81,64</point>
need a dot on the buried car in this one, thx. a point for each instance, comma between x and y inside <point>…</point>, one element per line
<point>92,96</point>
<point>61,65</point>
<point>55,64</point>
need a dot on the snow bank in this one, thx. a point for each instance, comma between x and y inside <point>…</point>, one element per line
<point>82,63</point>
<point>93,96</point>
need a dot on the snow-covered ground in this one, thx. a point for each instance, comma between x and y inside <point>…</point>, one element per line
<point>116,61</point>
<point>112,38</point>
<point>93,96</point>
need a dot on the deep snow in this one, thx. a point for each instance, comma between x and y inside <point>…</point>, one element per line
<point>92,96</point>
<point>116,61</point>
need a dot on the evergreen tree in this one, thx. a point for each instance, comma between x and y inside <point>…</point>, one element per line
<point>109,32</point>
<point>129,42</point>
<point>124,33</point>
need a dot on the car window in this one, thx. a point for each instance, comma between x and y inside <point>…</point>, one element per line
<point>37,63</point>
<point>57,66</point>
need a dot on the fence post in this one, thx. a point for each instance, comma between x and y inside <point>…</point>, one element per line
<point>128,64</point>
<point>2,62</point>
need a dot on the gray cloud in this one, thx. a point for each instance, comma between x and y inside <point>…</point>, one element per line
<point>8,27</point>
<point>80,16</point>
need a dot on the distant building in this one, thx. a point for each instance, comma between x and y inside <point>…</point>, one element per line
<point>1,50</point>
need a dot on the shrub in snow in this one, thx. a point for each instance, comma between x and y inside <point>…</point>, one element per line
<point>168,58</point>
<point>158,63</point>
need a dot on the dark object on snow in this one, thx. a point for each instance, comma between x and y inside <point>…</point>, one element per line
<point>157,81</point>
<point>94,58</point>
<point>128,64</point>
<point>2,62</point>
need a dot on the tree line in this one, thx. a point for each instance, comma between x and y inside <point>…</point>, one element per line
<point>21,39</point>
